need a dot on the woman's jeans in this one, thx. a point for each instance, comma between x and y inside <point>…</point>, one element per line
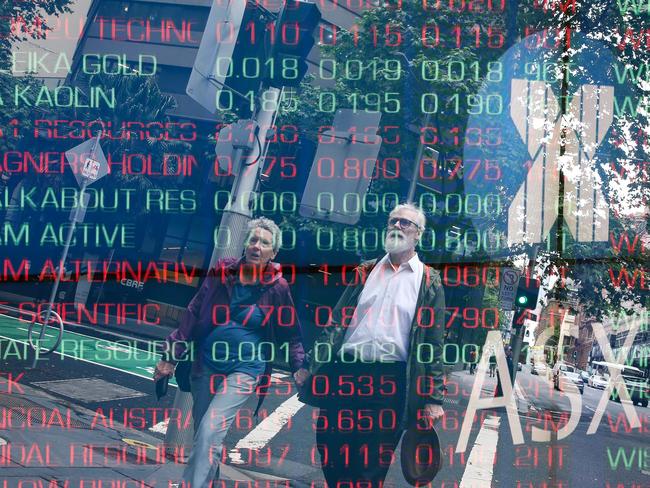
<point>215,407</point>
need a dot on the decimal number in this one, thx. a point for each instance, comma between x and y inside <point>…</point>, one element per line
<point>356,69</point>
<point>470,136</point>
<point>354,386</point>
<point>362,420</point>
<point>285,134</point>
<point>226,100</point>
<point>457,71</point>
<point>470,317</point>
<point>431,35</point>
<point>385,102</point>
<point>354,168</point>
<point>218,385</point>
<point>472,104</point>
<point>256,68</point>
<point>371,239</point>
<point>323,350</point>
<point>282,315</point>
<point>451,354</point>
<point>471,276</point>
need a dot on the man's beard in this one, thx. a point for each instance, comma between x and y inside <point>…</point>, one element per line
<point>397,242</point>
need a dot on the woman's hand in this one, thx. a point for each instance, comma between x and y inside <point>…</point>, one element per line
<point>163,368</point>
<point>301,376</point>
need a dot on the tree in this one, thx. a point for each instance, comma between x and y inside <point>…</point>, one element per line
<point>21,21</point>
<point>452,56</point>
<point>25,20</point>
<point>133,125</point>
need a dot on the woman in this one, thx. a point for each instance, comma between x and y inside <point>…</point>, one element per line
<point>242,307</point>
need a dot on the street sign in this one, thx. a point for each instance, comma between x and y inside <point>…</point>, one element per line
<point>90,169</point>
<point>333,192</point>
<point>87,161</point>
<point>226,56</point>
<point>508,290</point>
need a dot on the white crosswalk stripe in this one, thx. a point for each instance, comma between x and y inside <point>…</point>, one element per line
<point>480,465</point>
<point>267,429</point>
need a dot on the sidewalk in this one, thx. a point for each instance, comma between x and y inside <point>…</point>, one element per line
<point>49,442</point>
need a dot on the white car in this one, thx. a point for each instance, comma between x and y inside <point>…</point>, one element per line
<point>539,368</point>
<point>598,381</point>
<point>564,374</point>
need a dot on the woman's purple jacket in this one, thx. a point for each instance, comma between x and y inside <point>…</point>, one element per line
<point>215,294</point>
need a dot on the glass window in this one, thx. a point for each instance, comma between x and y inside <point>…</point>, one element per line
<point>177,226</point>
<point>171,249</point>
<point>172,79</point>
<point>110,8</point>
<point>200,230</point>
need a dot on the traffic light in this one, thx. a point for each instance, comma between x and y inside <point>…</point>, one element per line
<point>291,41</point>
<point>527,294</point>
<point>230,64</point>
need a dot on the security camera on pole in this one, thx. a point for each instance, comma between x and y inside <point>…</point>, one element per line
<point>245,71</point>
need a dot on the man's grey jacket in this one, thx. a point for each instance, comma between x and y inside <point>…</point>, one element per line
<point>424,373</point>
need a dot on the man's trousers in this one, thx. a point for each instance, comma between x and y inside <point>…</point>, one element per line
<point>358,429</point>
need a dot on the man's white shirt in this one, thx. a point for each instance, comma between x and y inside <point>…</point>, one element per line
<point>381,325</point>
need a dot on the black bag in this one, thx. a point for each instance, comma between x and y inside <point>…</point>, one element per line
<point>161,387</point>
<point>182,374</point>
<point>306,391</point>
<point>306,394</point>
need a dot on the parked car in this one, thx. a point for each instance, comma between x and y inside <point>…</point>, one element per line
<point>637,387</point>
<point>539,368</point>
<point>636,382</point>
<point>563,373</point>
<point>598,381</point>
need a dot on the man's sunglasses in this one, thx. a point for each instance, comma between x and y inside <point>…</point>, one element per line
<point>403,223</point>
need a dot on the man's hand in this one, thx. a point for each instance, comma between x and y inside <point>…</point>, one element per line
<point>163,368</point>
<point>301,376</point>
<point>433,413</point>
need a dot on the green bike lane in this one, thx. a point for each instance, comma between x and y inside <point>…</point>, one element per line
<point>122,355</point>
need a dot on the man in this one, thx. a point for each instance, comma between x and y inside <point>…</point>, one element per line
<point>386,336</point>
<point>472,361</point>
<point>493,365</point>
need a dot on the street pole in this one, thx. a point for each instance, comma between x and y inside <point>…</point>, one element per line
<point>418,159</point>
<point>427,120</point>
<point>517,338</point>
<point>57,281</point>
<point>231,234</point>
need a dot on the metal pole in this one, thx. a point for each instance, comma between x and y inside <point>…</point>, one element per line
<point>418,158</point>
<point>232,229</point>
<point>55,288</point>
<point>427,121</point>
<point>516,343</point>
